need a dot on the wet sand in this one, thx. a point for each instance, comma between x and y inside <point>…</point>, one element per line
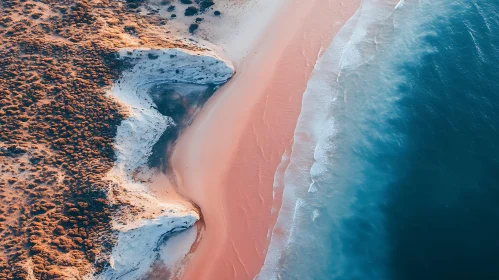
<point>226,160</point>
<point>181,102</point>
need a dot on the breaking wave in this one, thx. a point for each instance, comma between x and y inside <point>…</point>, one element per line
<point>358,123</point>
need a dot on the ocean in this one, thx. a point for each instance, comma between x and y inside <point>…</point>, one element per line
<point>394,170</point>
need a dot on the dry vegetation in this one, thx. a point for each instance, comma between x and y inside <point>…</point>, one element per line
<point>57,128</point>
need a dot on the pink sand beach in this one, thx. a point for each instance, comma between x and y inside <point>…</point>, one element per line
<point>226,160</point>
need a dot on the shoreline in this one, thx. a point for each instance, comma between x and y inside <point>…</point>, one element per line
<point>146,216</point>
<point>226,160</point>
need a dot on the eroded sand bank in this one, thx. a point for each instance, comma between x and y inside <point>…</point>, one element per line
<point>148,220</point>
<point>226,160</point>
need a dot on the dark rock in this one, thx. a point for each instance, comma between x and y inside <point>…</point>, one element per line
<point>205,4</point>
<point>190,11</point>
<point>193,27</point>
<point>152,56</point>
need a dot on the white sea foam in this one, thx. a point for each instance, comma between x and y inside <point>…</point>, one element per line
<point>140,235</point>
<point>360,59</point>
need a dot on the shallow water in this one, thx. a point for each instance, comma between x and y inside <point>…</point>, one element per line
<point>181,102</point>
<point>395,166</point>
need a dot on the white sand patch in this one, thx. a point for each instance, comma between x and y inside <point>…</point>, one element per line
<point>138,133</point>
<point>141,235</point>
<point>178,247</point>
<point>234,33</point>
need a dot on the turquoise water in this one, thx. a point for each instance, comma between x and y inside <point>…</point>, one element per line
<point>394,172</point>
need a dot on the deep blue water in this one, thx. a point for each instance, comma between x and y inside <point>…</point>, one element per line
<point>407,178</point>
<point>442,211</point>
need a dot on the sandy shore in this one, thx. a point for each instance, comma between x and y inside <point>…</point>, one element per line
<point>142,228</point>
<point>226,160</point>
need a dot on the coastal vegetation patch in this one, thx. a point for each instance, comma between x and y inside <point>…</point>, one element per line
<point>57,61</point>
